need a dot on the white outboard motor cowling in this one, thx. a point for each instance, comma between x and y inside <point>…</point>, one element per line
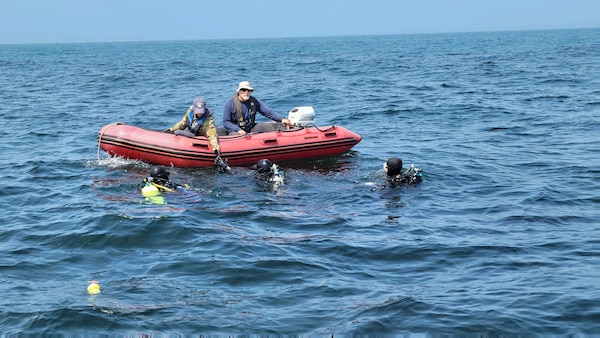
<point>302,116</point>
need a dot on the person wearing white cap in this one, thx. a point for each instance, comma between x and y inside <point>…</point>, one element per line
<point>240,112</point>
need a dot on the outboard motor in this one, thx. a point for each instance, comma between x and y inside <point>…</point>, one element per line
<point>302,117</point>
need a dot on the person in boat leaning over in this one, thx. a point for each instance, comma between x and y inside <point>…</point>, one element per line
<point>395,176</point>
<point>159,182</point>
<point>240,111</point>
<point>198,120</point>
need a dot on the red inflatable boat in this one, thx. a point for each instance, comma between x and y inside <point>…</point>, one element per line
<point>158,147</point>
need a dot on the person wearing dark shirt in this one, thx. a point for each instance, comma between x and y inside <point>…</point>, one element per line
<point>240,112</point>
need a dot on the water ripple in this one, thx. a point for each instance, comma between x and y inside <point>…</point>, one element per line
<point>499,239</point>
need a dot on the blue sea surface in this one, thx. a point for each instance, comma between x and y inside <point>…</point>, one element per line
<point>501,238</point>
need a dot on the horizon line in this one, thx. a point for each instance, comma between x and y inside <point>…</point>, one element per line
<point>285,37</point>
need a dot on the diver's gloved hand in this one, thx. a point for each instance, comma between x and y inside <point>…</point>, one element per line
<point>221,164</point>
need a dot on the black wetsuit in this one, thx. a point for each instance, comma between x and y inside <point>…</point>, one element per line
<point>412,175</point>
<point>269,179</point>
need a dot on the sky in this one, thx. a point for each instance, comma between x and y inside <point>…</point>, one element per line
<point>51,21</point>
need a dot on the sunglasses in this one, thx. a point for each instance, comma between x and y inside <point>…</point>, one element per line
<point>243,90</point>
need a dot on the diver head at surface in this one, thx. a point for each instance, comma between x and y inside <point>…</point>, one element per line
<point>396,176</point>
<point>159,182</point>
<point>159,172</point>
<point>264,165</point>
<point>268,173</point>
<point>393,166</point>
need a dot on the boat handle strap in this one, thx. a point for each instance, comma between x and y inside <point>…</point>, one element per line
<point>201,145</point>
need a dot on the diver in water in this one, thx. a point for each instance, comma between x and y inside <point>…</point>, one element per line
<point>395,176</point>
<point>158,182</point>
<point>268,174</point>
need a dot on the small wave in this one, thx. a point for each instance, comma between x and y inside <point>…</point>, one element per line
<point>487,64</point>
<point>115,162</point>
<point>545,219</point>
<point>178,62</point>
<point>560,98</point>
<point>556,81</point>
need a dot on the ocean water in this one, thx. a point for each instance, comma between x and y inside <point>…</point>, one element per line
<point>501,238</point>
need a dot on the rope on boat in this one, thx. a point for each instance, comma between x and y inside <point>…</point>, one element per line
<point>305,127</point>
<point>317,128</point>
<point>100,138</point>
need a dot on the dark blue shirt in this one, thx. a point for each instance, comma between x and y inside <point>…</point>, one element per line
<point>230,121</point>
